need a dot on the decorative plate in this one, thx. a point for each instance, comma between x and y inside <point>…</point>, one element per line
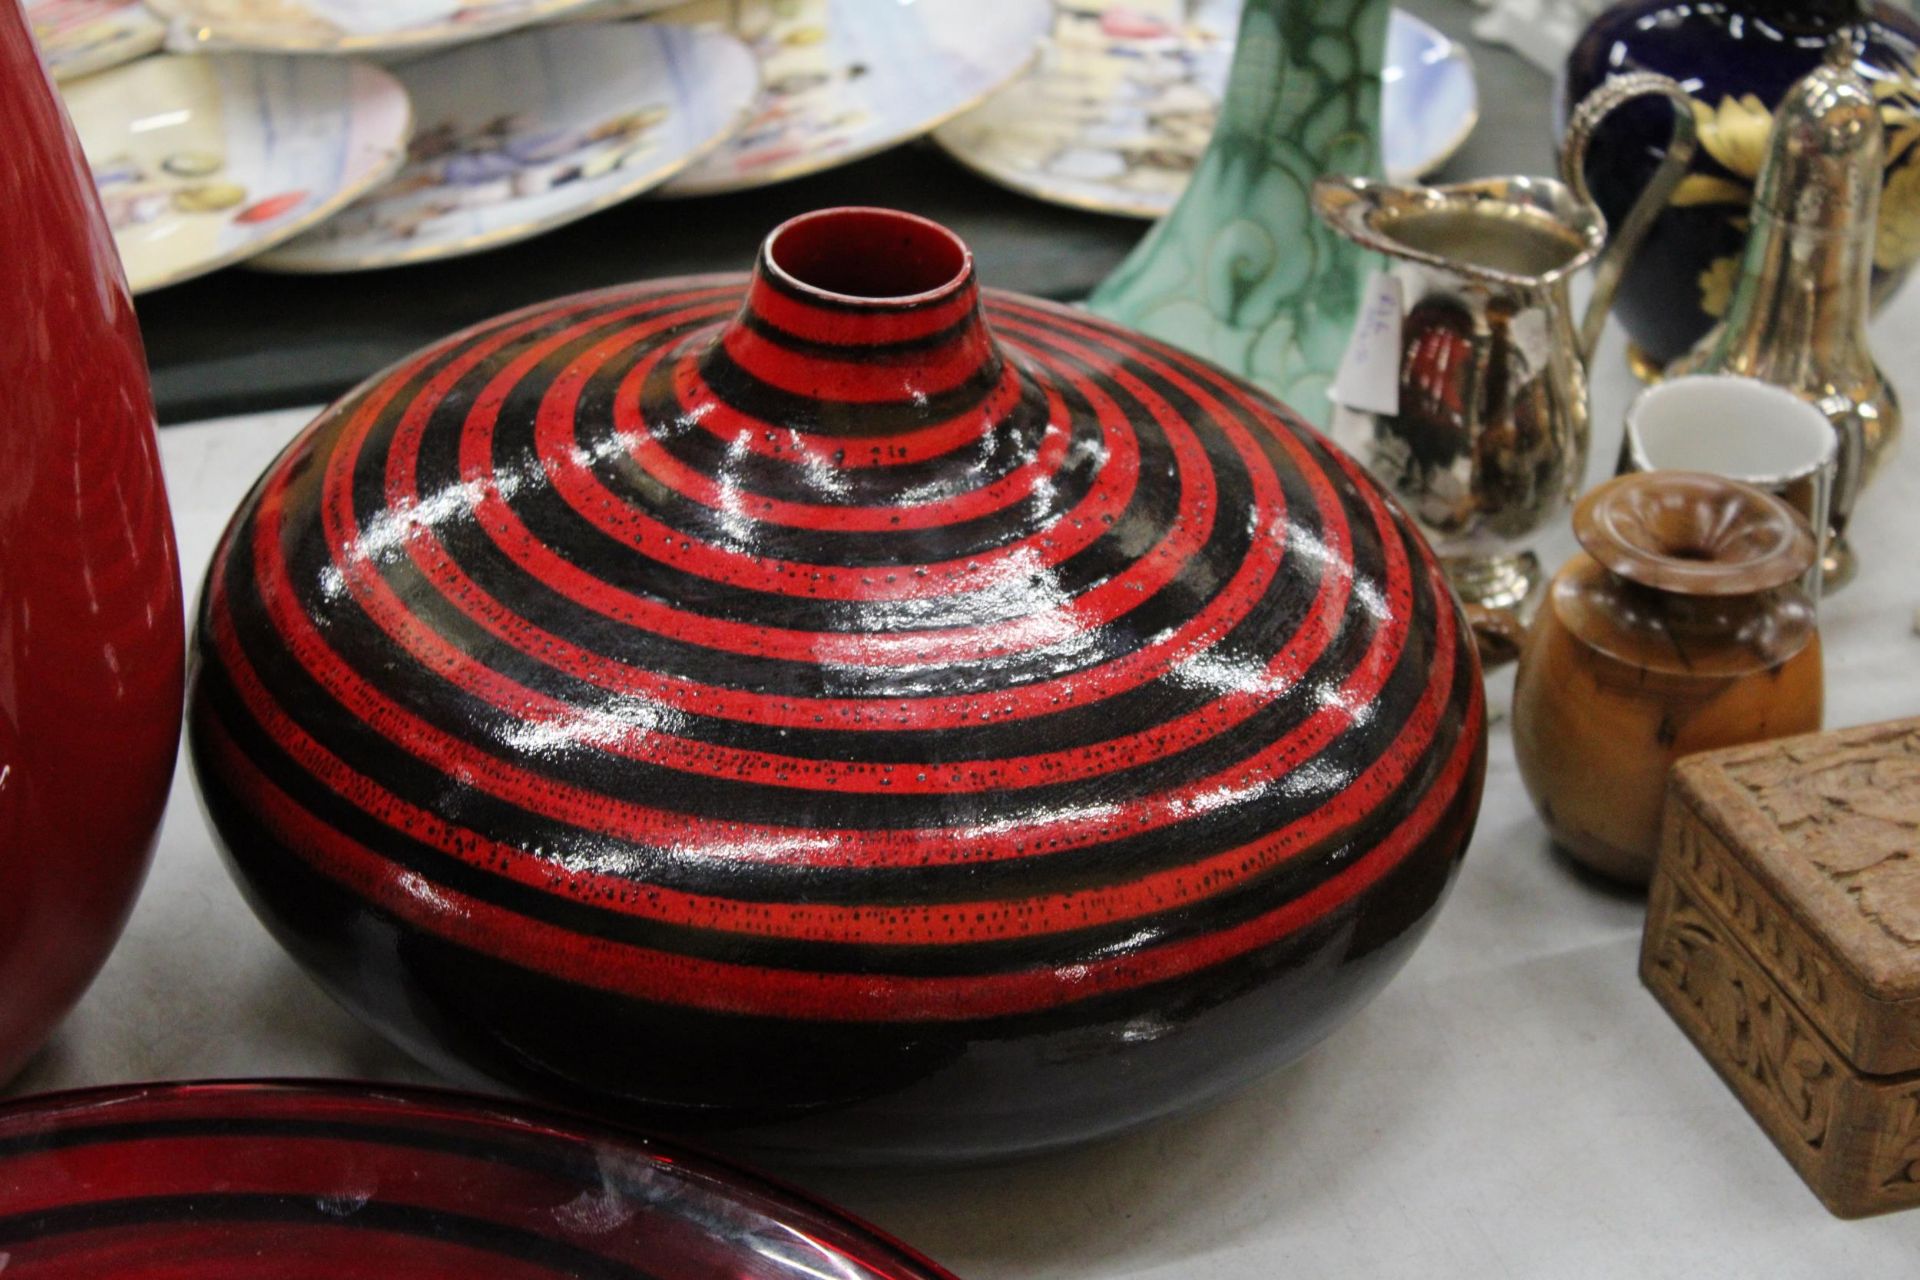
<point>339,1182</point>
<point>79,37</point>
<point>347,26</point>
<point>203,162</point>
<point>520,135</point>
<point>1121,104</point>
<point>613,10</point>
<point>846,78</point>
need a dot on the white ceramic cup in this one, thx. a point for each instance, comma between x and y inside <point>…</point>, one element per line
<point>1746,430</point>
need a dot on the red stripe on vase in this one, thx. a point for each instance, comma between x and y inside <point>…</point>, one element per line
<point>672,979</point>
<point>647,825</point>
<point>863,375</point>
<point>700,405</point>
<point>961,921</point>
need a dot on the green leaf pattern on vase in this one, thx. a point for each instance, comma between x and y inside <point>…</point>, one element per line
<point>1241,271</point>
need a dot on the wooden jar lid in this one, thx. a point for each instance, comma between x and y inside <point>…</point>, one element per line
<point>1694,533</point>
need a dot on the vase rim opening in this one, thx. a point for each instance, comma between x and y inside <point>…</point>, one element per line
<point>868,256</point>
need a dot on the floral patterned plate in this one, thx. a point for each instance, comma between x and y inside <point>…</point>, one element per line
<point>203,162</point>
<point>269,1181</point>
<point>79,37</point>
<point>347,26</point>
<point>611,10</point>
<point>537,129</point>
<point>1115,114</point>
<point>846,78</point>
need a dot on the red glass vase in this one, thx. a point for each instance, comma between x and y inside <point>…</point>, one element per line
<point>870,717</point>
<point>91,630</point>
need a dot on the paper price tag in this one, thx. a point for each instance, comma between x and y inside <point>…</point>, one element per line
<point>1532,338</point>
<point>1369,376</point>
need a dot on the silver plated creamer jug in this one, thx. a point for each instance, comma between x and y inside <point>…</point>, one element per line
<point>1465,389</point>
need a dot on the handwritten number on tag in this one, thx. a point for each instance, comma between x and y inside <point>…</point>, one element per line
<point>1369,377</point>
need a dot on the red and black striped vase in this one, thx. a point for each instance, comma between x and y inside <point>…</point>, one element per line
<point>839,708</point>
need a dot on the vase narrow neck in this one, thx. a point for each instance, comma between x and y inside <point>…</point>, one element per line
<point>861,323</point>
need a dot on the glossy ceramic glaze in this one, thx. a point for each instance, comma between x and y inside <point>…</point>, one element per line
<point>881,721</point>
<point>1240,271</point>
<point>90,617</point>
<point>270,1181</point>
<point>79,37</point>
<point>348,26</point>
<point>843,79</point>
<point>1738,57</point>
<point>1116,113</point>
<point>532,131</point>
<point>1683,628</point>
<point>207,161</point>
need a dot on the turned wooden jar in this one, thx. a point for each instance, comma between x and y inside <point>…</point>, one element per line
<point>1683,628</point>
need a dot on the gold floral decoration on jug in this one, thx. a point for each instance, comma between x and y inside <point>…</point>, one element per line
<point>1898,244</point>
<point>1716,286</point>
<point>1734,134</point>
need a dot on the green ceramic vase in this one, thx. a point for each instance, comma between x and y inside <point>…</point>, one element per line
<point>1241,271</point>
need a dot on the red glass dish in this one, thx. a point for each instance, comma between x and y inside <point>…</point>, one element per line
<point>879,719</point>
<point>91,627</point>
<point>292,1181</point>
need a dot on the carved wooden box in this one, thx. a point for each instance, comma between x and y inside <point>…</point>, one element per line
<point>1783,935</point>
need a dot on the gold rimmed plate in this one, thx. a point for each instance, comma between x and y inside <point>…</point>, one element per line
<point>843,79</point>
<point>347,26</point>
<point>519,135</point>
<point>204,162</point>
<point>80,37</point>
<point>1122,101</point>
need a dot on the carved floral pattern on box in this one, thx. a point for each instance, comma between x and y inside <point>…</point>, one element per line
<point>1903,1165</point>
<point>1758,1033</point>
<point>1851,808</point>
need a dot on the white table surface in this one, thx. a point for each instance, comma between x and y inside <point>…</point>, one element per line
<point>1515,1104</point>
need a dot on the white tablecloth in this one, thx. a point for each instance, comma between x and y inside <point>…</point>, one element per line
<point>1515,1104</point>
